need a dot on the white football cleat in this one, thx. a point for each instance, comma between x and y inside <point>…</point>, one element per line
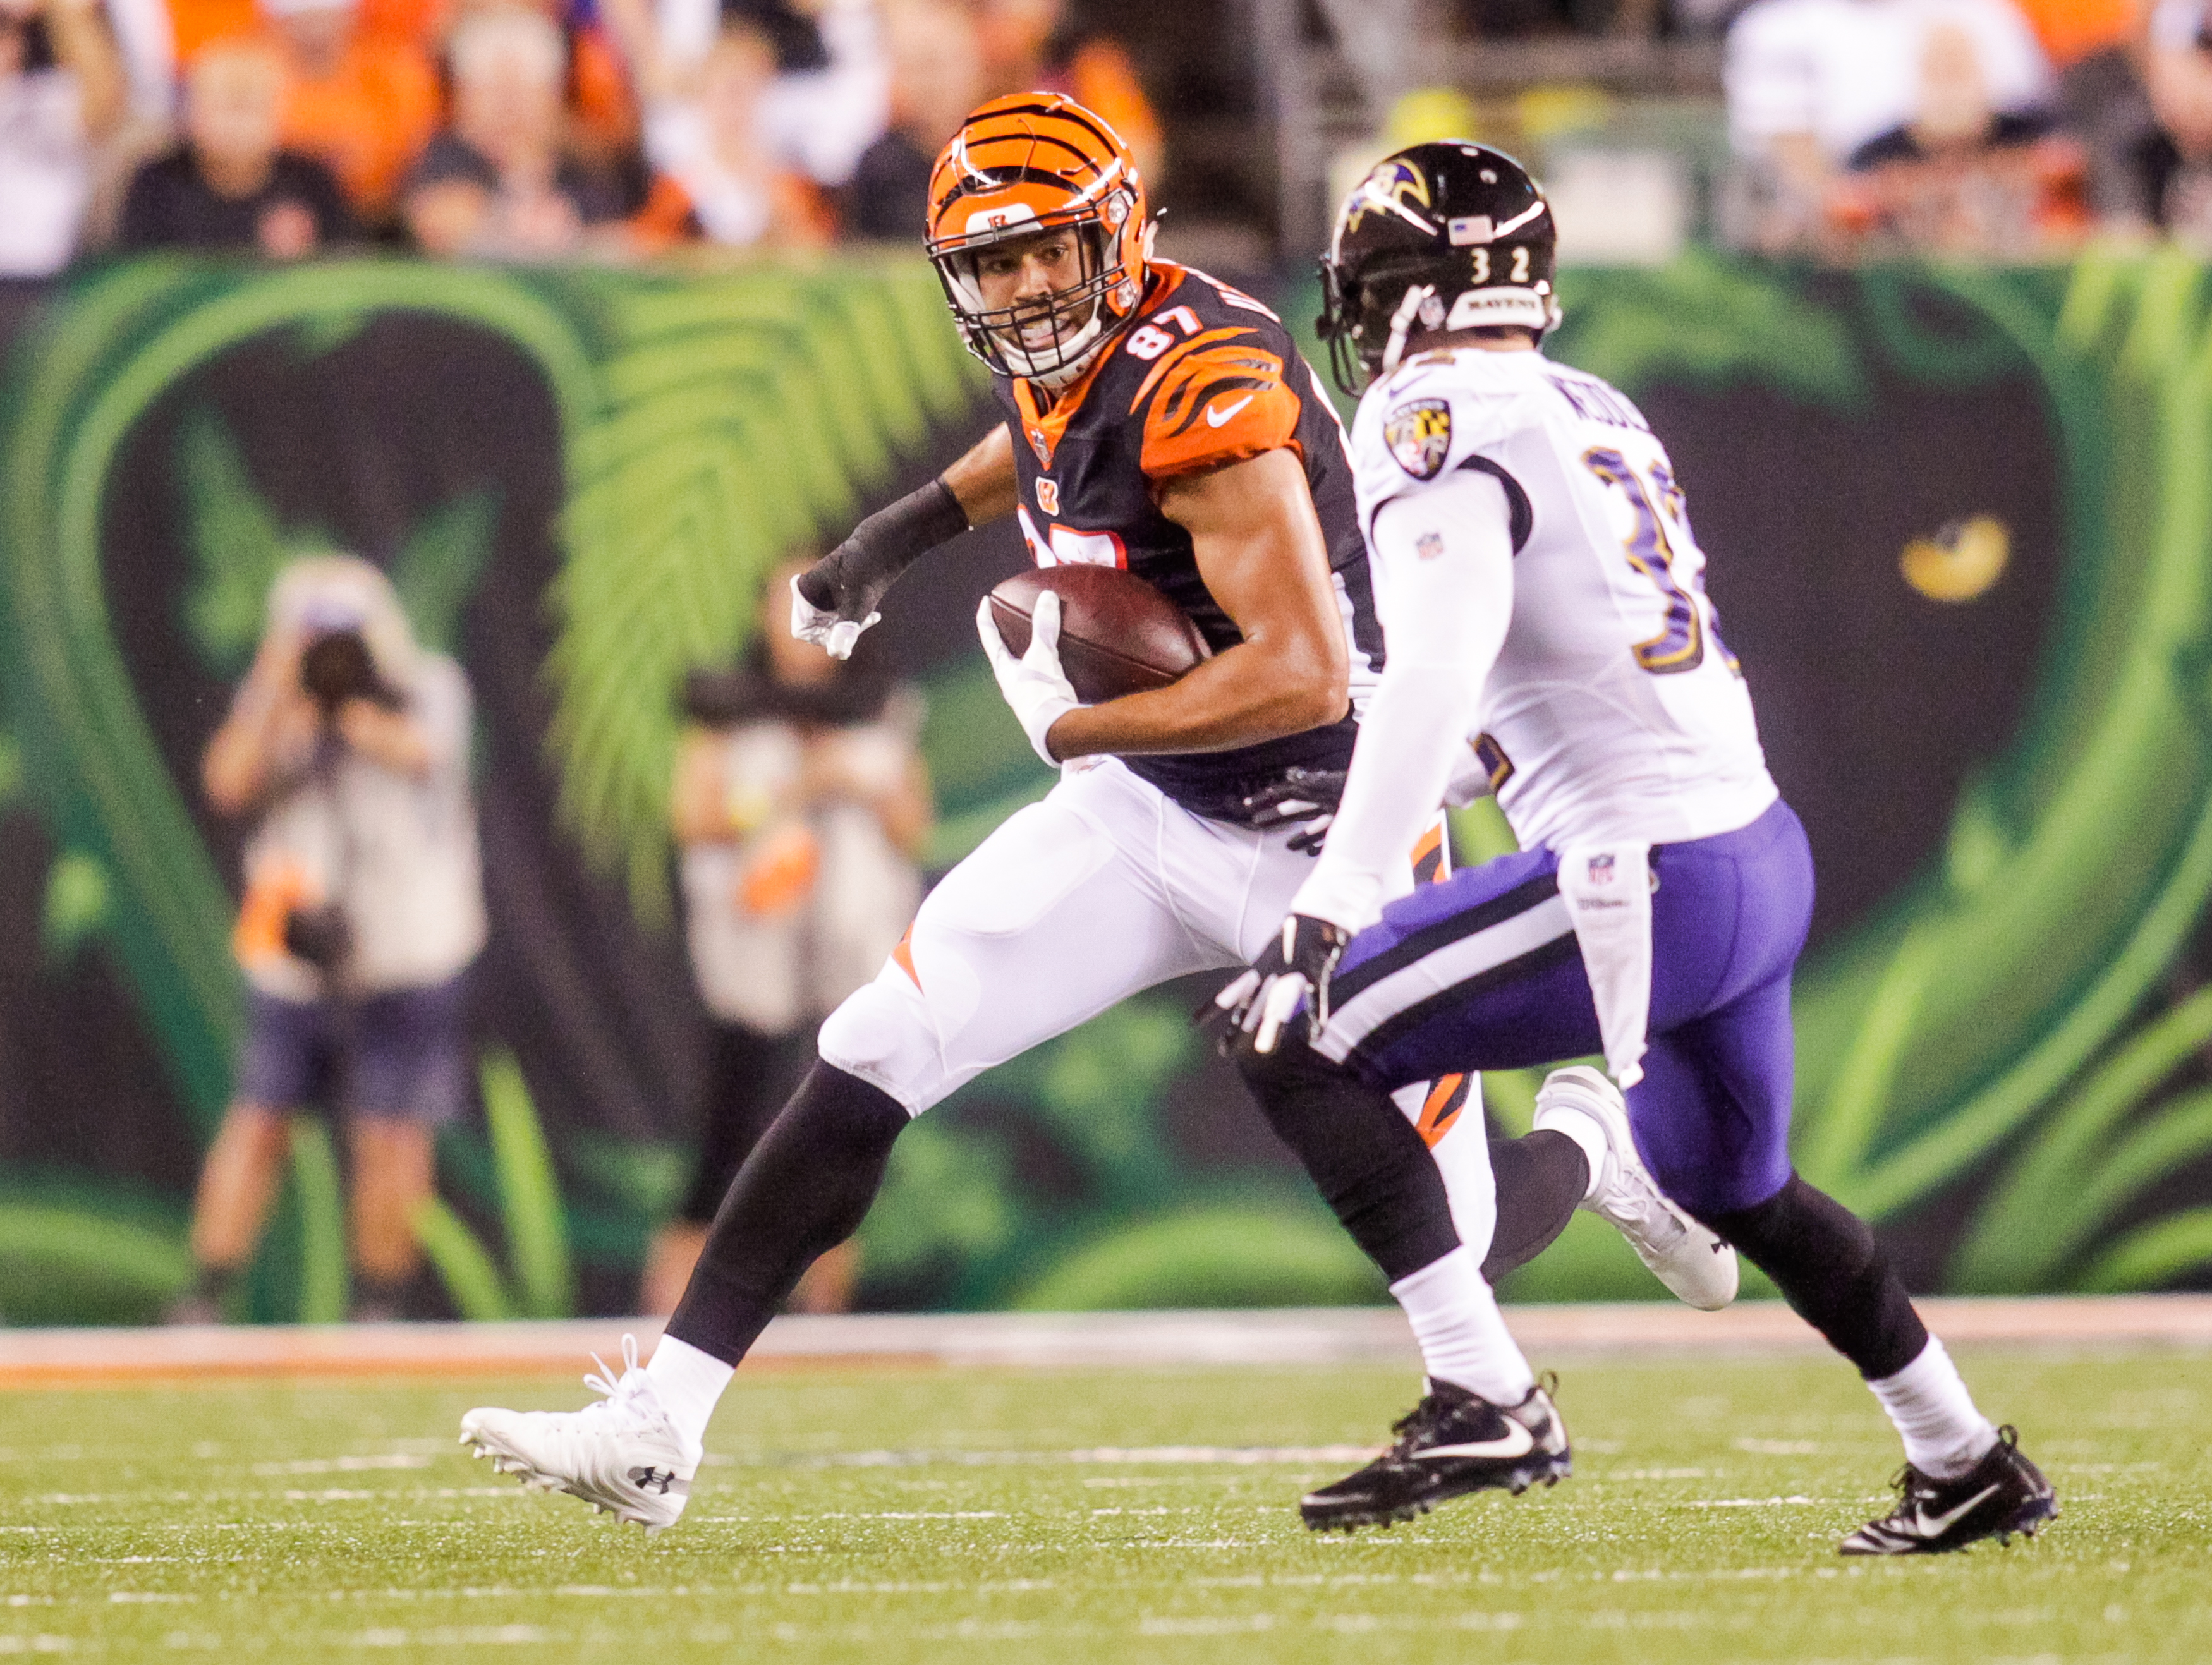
<point>621,1454</point>
<point>1698,1266</point>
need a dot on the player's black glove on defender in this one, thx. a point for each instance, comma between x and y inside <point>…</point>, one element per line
<point>835,598</point>
<point>1292,972</point>
<point>1310,796</point>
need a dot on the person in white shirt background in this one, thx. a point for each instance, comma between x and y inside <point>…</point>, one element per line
<point>62,91</point>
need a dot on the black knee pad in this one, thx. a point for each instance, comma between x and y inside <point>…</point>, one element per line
<point>1540,1181</point>
<point>1363,1154</point>
<point>1831,1270</point>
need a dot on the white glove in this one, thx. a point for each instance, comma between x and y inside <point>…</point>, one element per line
<point>831,634</point>
<point>1034,684</point>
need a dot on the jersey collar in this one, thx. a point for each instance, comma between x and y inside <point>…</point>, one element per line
<point>1044,430</point>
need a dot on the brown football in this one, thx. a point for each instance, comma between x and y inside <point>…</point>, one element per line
<point>1117,633</point>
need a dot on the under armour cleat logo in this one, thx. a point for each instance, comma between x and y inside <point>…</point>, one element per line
<point>662,1481</point>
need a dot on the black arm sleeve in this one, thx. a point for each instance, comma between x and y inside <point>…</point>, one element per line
<point>852,578</point>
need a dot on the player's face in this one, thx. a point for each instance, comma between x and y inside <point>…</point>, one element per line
<point>1031,270</point>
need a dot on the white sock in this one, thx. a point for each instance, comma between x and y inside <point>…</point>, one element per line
<point>1463,1338</point>
<point>1944,1434</point>
<point>1582,1128</point>
<point>687,1383</point>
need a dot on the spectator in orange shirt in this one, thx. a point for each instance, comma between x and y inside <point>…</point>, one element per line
<point>1028,46</point>
<point>715,179</point>
<point>363,104</point>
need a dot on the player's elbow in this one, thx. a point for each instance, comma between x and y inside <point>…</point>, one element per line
<point>1318,709</point>
<point>1317,691</point>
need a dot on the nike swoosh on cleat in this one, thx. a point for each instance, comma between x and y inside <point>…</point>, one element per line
<point>1935,1526</point>
<point>1215,416</point>
<point>1517,1444</point>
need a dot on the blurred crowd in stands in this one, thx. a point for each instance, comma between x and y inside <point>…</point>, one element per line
<point>624,128</point>
<point>504,129</point>
<point>1970,127</point>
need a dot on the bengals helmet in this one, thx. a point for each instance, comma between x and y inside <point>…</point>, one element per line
<point>1444,236</point>
<point>1022,164</point>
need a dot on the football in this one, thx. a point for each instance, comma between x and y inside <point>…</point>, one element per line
<point>1117,633</point>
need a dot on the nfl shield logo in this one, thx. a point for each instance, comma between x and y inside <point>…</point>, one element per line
<point>1419,433</point>
<point>1600,870</point>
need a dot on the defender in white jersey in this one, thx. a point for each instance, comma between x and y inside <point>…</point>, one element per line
<point>1613,709</point>
<point>1542,597</point>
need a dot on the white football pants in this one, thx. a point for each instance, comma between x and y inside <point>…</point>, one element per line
<point>1104,888</point>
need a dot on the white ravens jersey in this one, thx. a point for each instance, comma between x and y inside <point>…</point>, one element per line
<point>1614,710</point>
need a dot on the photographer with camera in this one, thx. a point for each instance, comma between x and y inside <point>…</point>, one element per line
<point>349,745</point>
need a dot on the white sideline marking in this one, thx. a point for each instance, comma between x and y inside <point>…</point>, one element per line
<point>1291,1336</point>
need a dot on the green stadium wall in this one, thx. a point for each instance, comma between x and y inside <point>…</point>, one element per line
<point>1960,527</point>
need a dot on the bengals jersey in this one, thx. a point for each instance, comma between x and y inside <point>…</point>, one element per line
<point>1201,376</point>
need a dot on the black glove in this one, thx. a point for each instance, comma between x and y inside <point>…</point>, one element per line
<point>835,598</point>
<point>1310,796</point>
<point>1292,973</point>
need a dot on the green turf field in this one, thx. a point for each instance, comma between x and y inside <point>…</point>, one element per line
<point>943,1516</point>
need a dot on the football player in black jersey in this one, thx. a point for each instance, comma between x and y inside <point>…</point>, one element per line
<point>1163,423</point>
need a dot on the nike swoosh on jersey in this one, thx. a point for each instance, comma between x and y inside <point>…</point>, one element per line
<point>1935,1526</point>
<point>1216,417</point>
<point>1517,1442</point>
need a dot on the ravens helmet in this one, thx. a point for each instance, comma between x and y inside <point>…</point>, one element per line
<point>1444,236</point>
<point>1022,164</point>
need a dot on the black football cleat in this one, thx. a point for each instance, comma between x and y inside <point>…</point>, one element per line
<point>1452,1443</point>
<point>2002,1494</point>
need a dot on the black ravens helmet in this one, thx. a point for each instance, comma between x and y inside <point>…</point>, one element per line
<point>1444,236</point>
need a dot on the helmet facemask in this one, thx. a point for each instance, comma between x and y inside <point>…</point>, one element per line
<point>1366,329</point>
<point>1049,338</point>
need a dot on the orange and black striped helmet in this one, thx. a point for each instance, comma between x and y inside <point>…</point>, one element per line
<point>1033,162</point>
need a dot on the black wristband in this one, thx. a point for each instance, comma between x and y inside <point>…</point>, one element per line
<point>852,578</point>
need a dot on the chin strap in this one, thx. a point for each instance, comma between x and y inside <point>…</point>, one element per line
<point>1401,324</point>
<point>1055,381</point>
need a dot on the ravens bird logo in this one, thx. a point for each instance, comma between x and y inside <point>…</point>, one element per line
<point>1389,189</point>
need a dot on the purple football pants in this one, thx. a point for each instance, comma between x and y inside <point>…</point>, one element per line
<point>1483,972</point>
